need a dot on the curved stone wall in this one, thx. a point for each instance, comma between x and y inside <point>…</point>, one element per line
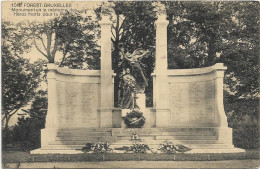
<point>74,97</point>
<point>195,97</point>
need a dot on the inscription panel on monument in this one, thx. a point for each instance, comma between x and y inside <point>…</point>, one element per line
<point>89,105</point>
<point>179,103</point>
<point>197,101</point>
<point>71,93</point>
<point>210,101</point>
<point>192,102</point>
<point>77,104</point>
<point>61,102</point>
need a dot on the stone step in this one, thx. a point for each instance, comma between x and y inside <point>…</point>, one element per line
<point>189,133</point>
<point>166,131</point>
<point>210,146</point>
<point>173,141</point>
<point>190,129</point>
<point>187,137</point>
<point>63,147</point>
<point>168,137</point>
<point>148,131</point>
<point>79,142</point>
<point>130,131</point>
<point>129,142</point>
<point>192,146</point>
<point>71,142</point>
<point>179,133</point>
<point>82,138</point>
<point>85,129</point>
<point>77,133</point>
<point>142,137</point>
<point>154,146</point>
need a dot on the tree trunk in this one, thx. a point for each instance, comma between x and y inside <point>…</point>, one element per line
<point>117,71</point>
<point>5,132</point>
<point>51,59</point>
<point>211,52</point>
<point>116,58</point>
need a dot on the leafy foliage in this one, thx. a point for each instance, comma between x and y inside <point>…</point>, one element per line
<point>28,128</point>
<point>13,40</point>
<point>20,78</point>
<point>73,34</point>
<point>203,33</point>
<point>78,35</point>
<point>243,118</point>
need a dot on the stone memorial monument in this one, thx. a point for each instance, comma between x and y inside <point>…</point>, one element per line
<point>187,104</point>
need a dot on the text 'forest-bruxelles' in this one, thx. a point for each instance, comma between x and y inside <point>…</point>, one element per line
<point>38,5</point>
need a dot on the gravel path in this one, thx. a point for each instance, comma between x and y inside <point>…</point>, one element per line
<point>142,164</point>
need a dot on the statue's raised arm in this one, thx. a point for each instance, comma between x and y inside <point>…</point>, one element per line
<point>139,53</point>
<point>137,69</point>
<point>142,55</point>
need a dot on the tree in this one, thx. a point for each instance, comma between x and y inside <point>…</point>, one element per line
<point>241,53</point>
<point>28,128</point>
<point>202,33</point>
<point>74,34</point>
<point>199,29</point>
<point>81,44</point>
<point>20,78</point>
<point>46,30</point>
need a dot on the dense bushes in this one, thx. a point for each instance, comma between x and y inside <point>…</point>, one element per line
<point>246,136</point>
<point>243,118</point>
<point>27,130</point>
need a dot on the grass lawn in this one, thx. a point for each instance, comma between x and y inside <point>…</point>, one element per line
<point>22,157</point>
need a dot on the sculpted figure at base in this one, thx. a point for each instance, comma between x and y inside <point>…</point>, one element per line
<point>128,100</point>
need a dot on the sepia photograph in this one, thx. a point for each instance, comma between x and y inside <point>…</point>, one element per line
<point>130,84</point>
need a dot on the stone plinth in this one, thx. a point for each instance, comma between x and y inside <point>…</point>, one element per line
<point>124,112</point>
<point>141,99</point>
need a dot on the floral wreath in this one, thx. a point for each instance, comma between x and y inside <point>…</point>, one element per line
<point>98,147</point>
<point>169,147</point>
<point>134,119</point>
